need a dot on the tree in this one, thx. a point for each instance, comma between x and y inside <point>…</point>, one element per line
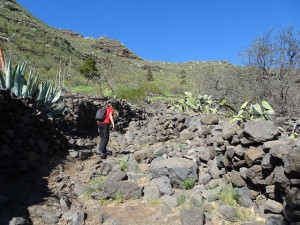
<point>89,69</point>
<point>275,59</point>
<point>183,77</point>
<point>149,76</point>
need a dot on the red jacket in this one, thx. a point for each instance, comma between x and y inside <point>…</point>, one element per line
<point>108,111</point>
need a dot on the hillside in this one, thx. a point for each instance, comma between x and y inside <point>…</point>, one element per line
<point>50,51</point>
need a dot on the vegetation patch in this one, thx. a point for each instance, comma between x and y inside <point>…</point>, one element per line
<point>228,195</point>
<point>188,183</point>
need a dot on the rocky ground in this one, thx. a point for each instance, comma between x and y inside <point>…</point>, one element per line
<point>69,198</point>
<point>172,168</point>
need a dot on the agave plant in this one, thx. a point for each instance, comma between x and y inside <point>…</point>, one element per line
<point>200,104</point>
<point>251,112</point>
<point>45,95</point>
<point>265,111</point>
<point>13,79</point>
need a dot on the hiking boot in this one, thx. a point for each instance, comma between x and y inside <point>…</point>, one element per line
<point>109,153</point>
<point>102,155</point>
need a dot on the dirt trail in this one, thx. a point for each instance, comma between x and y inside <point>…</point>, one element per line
<point>129,212</point>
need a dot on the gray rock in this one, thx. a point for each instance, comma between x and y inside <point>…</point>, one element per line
<point>204,179</point>
<point>192,216</point>
<point>75,217</point>
<point>104,169</point>
<point>79,189</point>
<point>18,221</point>
<point>282,141</point>
<point>255,175</point>
<point>212,194</point>
<point>243,197</point>
<point>177,169</point>
<point>260,131</point>
<point>51,217</point>
<point>237,179</point>
<point>229,213</point>
<point>209,119</point>
<point>275,220</point>
<point>170,201</point>
<point>128,190</point>
<point>164,185</point>
<point>229,129</point>
<point>292,162</point>
<point>254,155</point>
<point>151,191</point>
<point>266,162</point>
<point>272,206</point>
<point>292,205</point>
<point>65,203</point>
<point>191,121</point>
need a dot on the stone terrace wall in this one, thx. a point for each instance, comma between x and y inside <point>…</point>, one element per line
<point>27,138</point>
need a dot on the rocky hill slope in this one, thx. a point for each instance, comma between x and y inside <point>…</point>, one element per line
<point>49,50</point>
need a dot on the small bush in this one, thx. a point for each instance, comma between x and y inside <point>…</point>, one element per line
<point>153,202</point>
<point>85,89</point>
<point>123,165</point>
<point>181,199</point>
<point>94,185</point>
<point>131,94</point>
<point>118,197</point>
<point>189,183</point>
<point>228,195</point>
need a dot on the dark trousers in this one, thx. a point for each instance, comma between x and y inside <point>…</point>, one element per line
<point>104,136</point>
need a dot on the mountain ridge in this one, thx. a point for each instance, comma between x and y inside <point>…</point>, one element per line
<point>50,50</point>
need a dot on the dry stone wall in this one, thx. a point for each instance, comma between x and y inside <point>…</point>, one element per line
<point>27,138</point>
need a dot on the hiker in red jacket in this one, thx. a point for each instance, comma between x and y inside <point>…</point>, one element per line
<point>103,128</point>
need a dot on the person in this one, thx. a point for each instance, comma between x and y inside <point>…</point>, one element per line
<point>103,128</point>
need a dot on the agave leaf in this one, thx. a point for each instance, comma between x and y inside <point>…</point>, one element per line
<point>9,75</point>
<point>266,117</point>
<point>57,96</point>
<point>269,109</point>
<point>41,94</point>
<point>19,74</point>
<point>234,119</point>
<point>188,94</point>
<point>244,105</point>
<point>213,110</point>
<point>294,136</point>
<point>31,86</point>
<point>48,95</point>
<point>223,102</point>
<point>2,81</point>
<point>266,105</point>
<point>240,112</point>
<point>257,108</point>
<point>22,77</point>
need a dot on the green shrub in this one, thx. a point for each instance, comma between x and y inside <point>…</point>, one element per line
<point>188,183</point>
<point>94,185</point>
<point>85,89</point>
<point>228,195</point>
<point>123,165</point>
<point>118,197</point>
<point>181,199</point>
<point>133,95</point>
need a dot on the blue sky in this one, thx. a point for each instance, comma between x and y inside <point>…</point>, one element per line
<point>172,30</point>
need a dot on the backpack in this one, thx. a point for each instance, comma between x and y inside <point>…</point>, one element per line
<point>100,115</point>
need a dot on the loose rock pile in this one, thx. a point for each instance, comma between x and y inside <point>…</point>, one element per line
<point>253,156</point>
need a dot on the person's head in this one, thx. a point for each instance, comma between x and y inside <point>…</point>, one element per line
<point>109,103</point>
